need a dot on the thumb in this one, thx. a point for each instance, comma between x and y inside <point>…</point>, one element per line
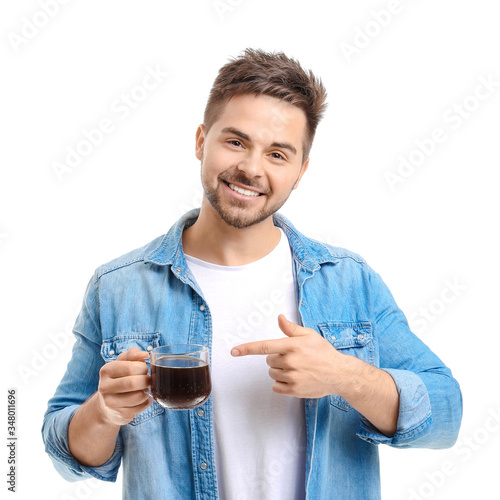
<point>289,328</point>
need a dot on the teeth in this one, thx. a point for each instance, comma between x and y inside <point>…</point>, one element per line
<point>243,191</point>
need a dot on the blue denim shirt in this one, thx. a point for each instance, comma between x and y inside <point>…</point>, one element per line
<point>149,297</point>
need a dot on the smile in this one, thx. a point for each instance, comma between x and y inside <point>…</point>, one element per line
<point>245,192</point>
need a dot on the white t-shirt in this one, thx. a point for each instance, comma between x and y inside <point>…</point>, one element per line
<point>260,439</point>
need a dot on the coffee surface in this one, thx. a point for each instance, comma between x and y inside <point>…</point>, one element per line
<point>180,383</point>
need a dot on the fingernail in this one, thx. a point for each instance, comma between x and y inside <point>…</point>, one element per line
<point>235,352</point>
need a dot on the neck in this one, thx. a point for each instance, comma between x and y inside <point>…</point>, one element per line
<point>212,240</point>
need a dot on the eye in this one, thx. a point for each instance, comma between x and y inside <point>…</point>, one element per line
<point>235,142</point>
<point>277,156</point>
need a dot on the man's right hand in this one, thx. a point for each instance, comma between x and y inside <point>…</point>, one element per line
<point>122,383</point>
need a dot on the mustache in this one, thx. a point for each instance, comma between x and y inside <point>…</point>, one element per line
<point>242,179</point>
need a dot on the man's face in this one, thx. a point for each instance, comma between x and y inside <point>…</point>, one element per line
<point>251,158</point>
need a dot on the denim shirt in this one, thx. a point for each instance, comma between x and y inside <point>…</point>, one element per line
<point>149,297</point>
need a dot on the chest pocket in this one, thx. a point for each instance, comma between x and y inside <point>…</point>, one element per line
<point>354,339</point>
<point>113,347</point>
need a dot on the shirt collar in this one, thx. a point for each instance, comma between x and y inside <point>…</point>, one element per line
<point>308,252</point>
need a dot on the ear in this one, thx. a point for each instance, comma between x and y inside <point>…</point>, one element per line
<point>200,140</point>
<point>301,173</point>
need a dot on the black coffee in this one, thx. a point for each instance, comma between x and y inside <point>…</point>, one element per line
<point>180,383</point>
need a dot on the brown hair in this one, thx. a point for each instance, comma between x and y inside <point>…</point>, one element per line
<point>273,74</point>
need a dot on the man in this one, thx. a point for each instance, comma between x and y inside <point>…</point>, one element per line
<point>313,364</point>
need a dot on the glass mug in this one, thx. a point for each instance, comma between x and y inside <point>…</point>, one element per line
<point>180,376</point>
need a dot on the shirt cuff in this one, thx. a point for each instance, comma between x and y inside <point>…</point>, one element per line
<point>414,420</point>
<point>57,446</point>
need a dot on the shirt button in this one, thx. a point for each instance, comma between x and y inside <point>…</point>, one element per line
<point>111,353</point>
<point>201,413</point>
<point>333,338</point>
<point>178,269</point>
<point>310,402</point>
<point>202,307</point>
<point>203,466</point>
<point>361,336</point>
<point>149,348</point>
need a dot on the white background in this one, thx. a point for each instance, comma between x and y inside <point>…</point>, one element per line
<point>439,224</point>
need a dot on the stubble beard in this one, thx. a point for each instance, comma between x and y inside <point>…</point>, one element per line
<point>237,213</point>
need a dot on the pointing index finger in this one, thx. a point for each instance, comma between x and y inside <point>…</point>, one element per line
<point>261,347</point>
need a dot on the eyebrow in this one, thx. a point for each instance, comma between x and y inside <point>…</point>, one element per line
<point>239,133</point>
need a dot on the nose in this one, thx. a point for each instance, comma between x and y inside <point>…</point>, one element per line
<point>252,166</point>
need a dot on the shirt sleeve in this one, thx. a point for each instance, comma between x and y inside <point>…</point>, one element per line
<point>78,383</point>
<point>430,400</point>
